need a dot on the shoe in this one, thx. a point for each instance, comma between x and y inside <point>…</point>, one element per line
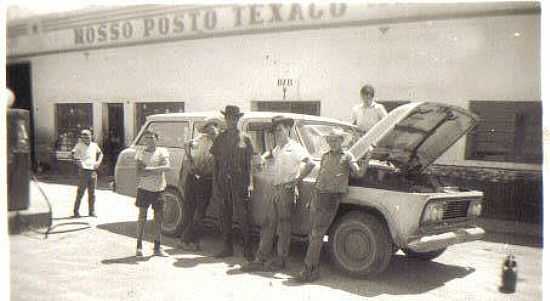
<point>224,253</point>
<point>76,215</point>
<point>308,275</point>
<point>139,253</point>
<point>92,214</point>
<point>159,252</point>
<point>249,254</point>
<point>254,266</point>
<point>188,246</point>
<point>276,264</point>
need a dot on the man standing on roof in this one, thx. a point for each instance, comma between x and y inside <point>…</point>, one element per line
<point>233,153</point>
<point>367,114</point>
<point>198,183</point>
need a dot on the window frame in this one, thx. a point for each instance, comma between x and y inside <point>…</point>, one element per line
<point>513,148</point>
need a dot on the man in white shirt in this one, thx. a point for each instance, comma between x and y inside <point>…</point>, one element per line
<point>87,156</point>
<point>292,163</point>
<point>367,114</point>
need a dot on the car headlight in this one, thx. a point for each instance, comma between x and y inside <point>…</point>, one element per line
<point>433,212</point>
<point>475,208</point>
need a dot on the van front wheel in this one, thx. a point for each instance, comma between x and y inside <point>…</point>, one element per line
<point>360,244</point>
<point>172,213</point>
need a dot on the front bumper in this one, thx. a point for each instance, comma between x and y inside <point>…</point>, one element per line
<point>443,240</point>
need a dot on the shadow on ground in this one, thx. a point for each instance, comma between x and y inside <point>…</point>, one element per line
<point>404,276</point>
<point>104,182</point>
<point>514,239</point>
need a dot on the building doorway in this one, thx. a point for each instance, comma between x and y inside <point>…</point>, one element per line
<point>298,107</point>
<point>113,133</point>
<point>18,80</point>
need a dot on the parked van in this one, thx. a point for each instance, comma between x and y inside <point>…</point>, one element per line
<point>394,206</point>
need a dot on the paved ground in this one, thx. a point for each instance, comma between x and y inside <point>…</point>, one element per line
<point>92,259</point>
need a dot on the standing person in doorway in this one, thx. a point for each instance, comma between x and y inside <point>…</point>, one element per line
<point>198,183</point>
<point>367,114</point>
<point>88,157</point>
<point>331,186</point>
<point>233,153</point>
<point>151,163</point>
<point>292,164</point>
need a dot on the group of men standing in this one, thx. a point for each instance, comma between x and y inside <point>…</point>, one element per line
<point>220,165</point>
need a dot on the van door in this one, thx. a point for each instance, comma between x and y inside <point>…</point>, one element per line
<point>172,135</point>
<point>259,132</point>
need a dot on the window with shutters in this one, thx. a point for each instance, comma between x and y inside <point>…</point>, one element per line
<point>144,109</point>
<point>508,131</point>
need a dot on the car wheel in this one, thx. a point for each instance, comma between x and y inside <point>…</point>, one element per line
<point>172,213</point>
<point>360,244</point>
<point>424,255</point>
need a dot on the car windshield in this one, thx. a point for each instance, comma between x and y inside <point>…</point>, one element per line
<point>313,135</point>
<point>171,133</point>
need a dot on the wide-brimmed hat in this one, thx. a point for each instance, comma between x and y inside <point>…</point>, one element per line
<point>232,110</point>
<point>209,121</point>
<point>336,133</point>
<point>287,121</point>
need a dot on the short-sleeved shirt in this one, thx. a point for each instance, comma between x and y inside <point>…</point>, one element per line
<point>203,160</point>
<point>157,181</point>
<point>232,153</point>
<point>367,116</point>
<point>334,172</point>
<point>87,153</point>
<point>287,161</point>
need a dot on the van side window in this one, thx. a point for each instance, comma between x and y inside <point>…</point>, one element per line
<point>172,134</point>
<point>261,136</point>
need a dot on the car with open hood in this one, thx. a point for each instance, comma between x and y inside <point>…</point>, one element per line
<point>395,205</point>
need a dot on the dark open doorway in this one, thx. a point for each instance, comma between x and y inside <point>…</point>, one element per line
<point>113,133</point>
<point>18,79</point>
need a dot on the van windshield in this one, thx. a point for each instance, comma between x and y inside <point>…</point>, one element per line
<point>172,134</point>
<point>313,135</point>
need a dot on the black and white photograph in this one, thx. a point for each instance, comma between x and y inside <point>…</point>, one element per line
<point>273,150</point>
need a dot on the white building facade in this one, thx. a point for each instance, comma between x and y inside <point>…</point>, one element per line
<point>107,69</point>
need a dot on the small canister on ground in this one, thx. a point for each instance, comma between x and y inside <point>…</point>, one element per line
<point>509,275</point>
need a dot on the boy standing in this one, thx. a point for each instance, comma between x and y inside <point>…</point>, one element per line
<point>331,185</point>
<point>151,163</point>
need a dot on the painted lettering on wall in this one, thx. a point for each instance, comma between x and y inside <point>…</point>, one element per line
<point>207,20</point>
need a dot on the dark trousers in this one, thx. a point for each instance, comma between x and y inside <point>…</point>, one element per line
<point>197,197</point>
<point>322,211</point>
<point>87,180</point>
<point>234,201</point>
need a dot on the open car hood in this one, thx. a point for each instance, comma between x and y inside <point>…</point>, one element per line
<point>414,135</point>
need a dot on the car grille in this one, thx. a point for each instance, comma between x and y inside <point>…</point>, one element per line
<point>456,209</point>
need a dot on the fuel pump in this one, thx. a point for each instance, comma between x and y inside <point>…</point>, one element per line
<point>18,157</point>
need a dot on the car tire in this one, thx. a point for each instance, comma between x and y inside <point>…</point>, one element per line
<point>424,255</point>
<point>172,213</point>
<point>360,244</point>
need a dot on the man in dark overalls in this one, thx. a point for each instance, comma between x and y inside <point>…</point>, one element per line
<point>232,153</point>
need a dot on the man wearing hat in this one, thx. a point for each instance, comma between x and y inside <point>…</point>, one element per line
<point>367,114</point>
<point>331,186</point>
<point>291,163</point>
<point>88,157</point>
<point>233,153</point>
<point>198,183</point>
